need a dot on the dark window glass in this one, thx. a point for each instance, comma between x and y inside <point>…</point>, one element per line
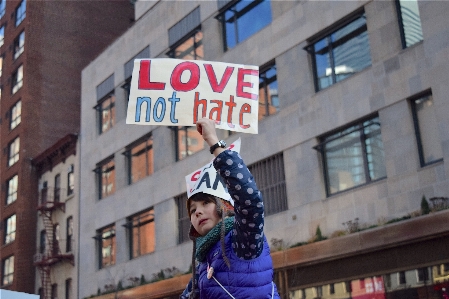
<point>68,289</point>
<point>42,242</point>
<point>341,54</point>
<point>106,178</point>
<point>55,244</point>
<point>423,274</point>
<point>10,233</point>
<point>409,21</point>
<point>426,129</point>
<point>17,79</point>
<point>107,246</point>
<point>54,291</point>
<point>2,35</point>
<point>268,92</point>
<point>11,194</point>
<point>188,141</point>
<point>142,233</point>
<point>401,277</point>
<point>15,115</point>
<point>140,159</point>
<point>57,190</point>
<point>353,156</point>
<point>8,271</point>
<point>244,19</point>
<point>20,12</point>
<point>106,113</point>
<point>183,218</point>
<point>19,44</point>
<point>270,177</point>
<point>71,180</point>
<point>69,234</point>
<point>13,151</point>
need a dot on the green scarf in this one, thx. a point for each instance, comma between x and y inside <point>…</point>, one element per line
<point>203,244</point>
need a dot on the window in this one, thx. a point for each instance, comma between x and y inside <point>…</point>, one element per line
<point>42,241</point>
<point>142,233</point>
<point>2,8</point>
<point>401,277</point>
<point>242,20</point>
<point>340,54</point>
<point>426,129</point>
<point>106,112</point>
<point>11,194</point>
<point>68,288</point>
<point>44,193</point>
<point>422,274</point>
<point>268,92</point>
<point>409,22</point>
<point>353,156</point>
<point>17,79</point>
<point>71,180</point>
<point>55,241</point>
<point>57,190</point>
<point>183,218</point>
<point>188,141</point>
<point>20,12</point>
<point>10,233</point>
<point>189,48</point>
<point>106,237</point>
<point>69,234</point>
<point>8,271</point>
<point>19,44</point>
<point>15,115</point>
<point>140,159</point>
<point>106,177</point>
<point>1,70</point>
<point>13,151</point>
<point>2,35</point>
<point>54,291</point>
<point>270,177</point>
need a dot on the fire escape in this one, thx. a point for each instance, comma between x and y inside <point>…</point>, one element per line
<point>50,254</point>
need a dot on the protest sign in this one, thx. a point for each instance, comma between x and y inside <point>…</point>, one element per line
<point>174,92</point>
<point>206,179</point>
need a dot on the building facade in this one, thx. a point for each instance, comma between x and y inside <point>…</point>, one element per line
<point>43,47</point>
<point>353,133</point>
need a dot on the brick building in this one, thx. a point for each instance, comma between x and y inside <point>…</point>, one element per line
<point>44,46</point>
<point>354,132</point>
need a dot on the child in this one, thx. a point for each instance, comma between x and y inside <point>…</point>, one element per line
<point>229,243</point>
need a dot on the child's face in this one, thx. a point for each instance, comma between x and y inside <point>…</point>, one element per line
<point>203,215</point>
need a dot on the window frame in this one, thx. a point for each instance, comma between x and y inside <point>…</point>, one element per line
<point>18,46</point>
<point>264,83</point>
<point>71,180</point>
<point>196,45</point>
<point>185,130</point>
<point>16,80</point>
<point>10,229</point>
<point>357,126</point>
<point>68,288</point>
<point>2,35</point>
<point>11,197</point>
<point>20,13</point>
<point>15,115</point>
<point>331,45</point>
<point>237,15</point>
<point>416,125</point>
<point>7,275</point>
<point>57,188</point>
<point>401,25</point>
<point>101,169</point>
<point>100,239</point>
<point>147,150</point>
<point>133,222</point>
<point>69,234</point>
<point>110,109</point>
<point>42,241</point>
<point>14,151</point>
<point>269,173</point>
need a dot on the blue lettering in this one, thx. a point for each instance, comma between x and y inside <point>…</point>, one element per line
<point>173,101</point>
<point>140,101</point>
<point>160,101</point>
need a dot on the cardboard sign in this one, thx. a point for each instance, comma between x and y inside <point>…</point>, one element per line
<point>174,92</point>
<point>207,180</point>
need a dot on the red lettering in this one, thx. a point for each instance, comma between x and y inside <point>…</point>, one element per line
<point>195,176</point>
<point>198,102</point>
<point>218,87</point>
<point>246,108</point>
<point>241,84</point>
<point>218,110</point>
<point>231,104</point>
<point>193,80</point>
<point>231,146</point>
<point>144,77</point>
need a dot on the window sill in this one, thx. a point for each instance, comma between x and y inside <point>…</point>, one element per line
<point>431,164</point>
<point>356,187</point>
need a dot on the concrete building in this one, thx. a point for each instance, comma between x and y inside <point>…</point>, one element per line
<point>354,133</point>
<point>43,47</point>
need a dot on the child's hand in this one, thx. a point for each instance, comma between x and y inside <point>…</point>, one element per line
<point>206,127</point>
